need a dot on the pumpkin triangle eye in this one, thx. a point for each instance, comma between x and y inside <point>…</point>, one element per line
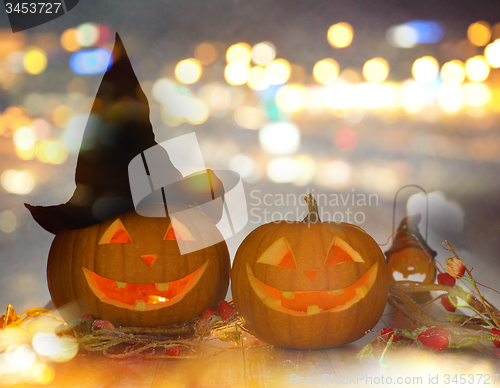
<point>279,254</point>
<point>288,261</point>
<point>115,234</point>
<point>340,251</point>
<point>179,233</point>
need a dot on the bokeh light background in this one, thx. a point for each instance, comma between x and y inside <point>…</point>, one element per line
<point>335,98</point>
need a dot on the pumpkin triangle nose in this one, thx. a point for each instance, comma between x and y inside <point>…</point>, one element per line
<point>149,259</point>
<point>311,274</point>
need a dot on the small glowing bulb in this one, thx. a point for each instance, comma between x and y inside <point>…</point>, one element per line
<point>425,69</point>
<point>453,72</point>
<point>188,71</point>
<point>326,71</point>
<point>477,69</point>
<point>479,33</point>
<point>240,52</point>
<point>340,35</point>
<point>376,70</point>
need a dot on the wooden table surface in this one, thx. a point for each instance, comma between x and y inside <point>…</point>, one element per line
<point>256,364</point>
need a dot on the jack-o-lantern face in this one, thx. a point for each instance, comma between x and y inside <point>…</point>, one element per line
<point>128,270</point>
<point>309,285</point>
<point>411,263</point>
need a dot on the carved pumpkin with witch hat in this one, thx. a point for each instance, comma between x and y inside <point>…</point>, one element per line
<point>108,261</point>
<point>409,257</point>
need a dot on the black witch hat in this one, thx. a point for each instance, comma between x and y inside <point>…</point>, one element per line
<point>118,130</point>
<point>408,235</point>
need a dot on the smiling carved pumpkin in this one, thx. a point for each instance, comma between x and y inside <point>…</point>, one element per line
<point>128,270</point>
<point>309,285</point>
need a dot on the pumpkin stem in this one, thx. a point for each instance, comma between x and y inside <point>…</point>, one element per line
<point>312,206</point>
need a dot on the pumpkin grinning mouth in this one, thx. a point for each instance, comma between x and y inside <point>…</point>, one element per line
<point>142,297</point>
<point>313,302</point>
<point>416,277</point>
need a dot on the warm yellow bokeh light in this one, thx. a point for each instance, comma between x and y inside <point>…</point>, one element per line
<point>51,151</point>
<point>188,71</point>
<point>239,52</point>
<point>413,96</point>
<point>206,53</point>
<point>281,170</point>
<point>476,94</point>
<point>492,54</point>
<point>425,69</point>
<point>26,154</point>
<point>340,35</point>
<point>326,71</point>
<point>236,73</point>
<point>263,53</point>
<point>69,40</point>
<point>350,76</point>
<point>291,98</point>
<point>306,168</point>
<point>17,182</point>
<point>477,69</point>
<point>257,79</point>
<point>61,115</point>
<point>278,71</point>
<point>35,61</point>
<point>24,138</point>
<point>198,113</point>
<point>453,72</point>
<point>249,117</point>
<point>479,33</point>
<point>450,98</point>
<point>339,96</point>
<point>376,70</point>
<point>376,95</point>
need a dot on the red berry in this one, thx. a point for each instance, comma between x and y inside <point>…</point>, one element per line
<point>225,310</point>
<point>496,332</point>
<point>207,313</point>
<point>173,351</point>
<point>435,338</point>
<point>100,324</point>
<point>390,332</point>
<point>446,279</point>
<point>447,304</point>
<point>86,316</point>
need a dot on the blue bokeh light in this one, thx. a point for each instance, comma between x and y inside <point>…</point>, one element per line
<point>90,61</point>
<point>428,31</point>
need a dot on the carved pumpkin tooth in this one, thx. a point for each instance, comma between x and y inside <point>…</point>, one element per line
<point>336,292</point>
<point>272,302</point>
<point>121,284</point>
<point>312,310</point>
<point>140,305</point>
<point>362,290</point>
<point>287,294</point>
<point>161,286</point>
